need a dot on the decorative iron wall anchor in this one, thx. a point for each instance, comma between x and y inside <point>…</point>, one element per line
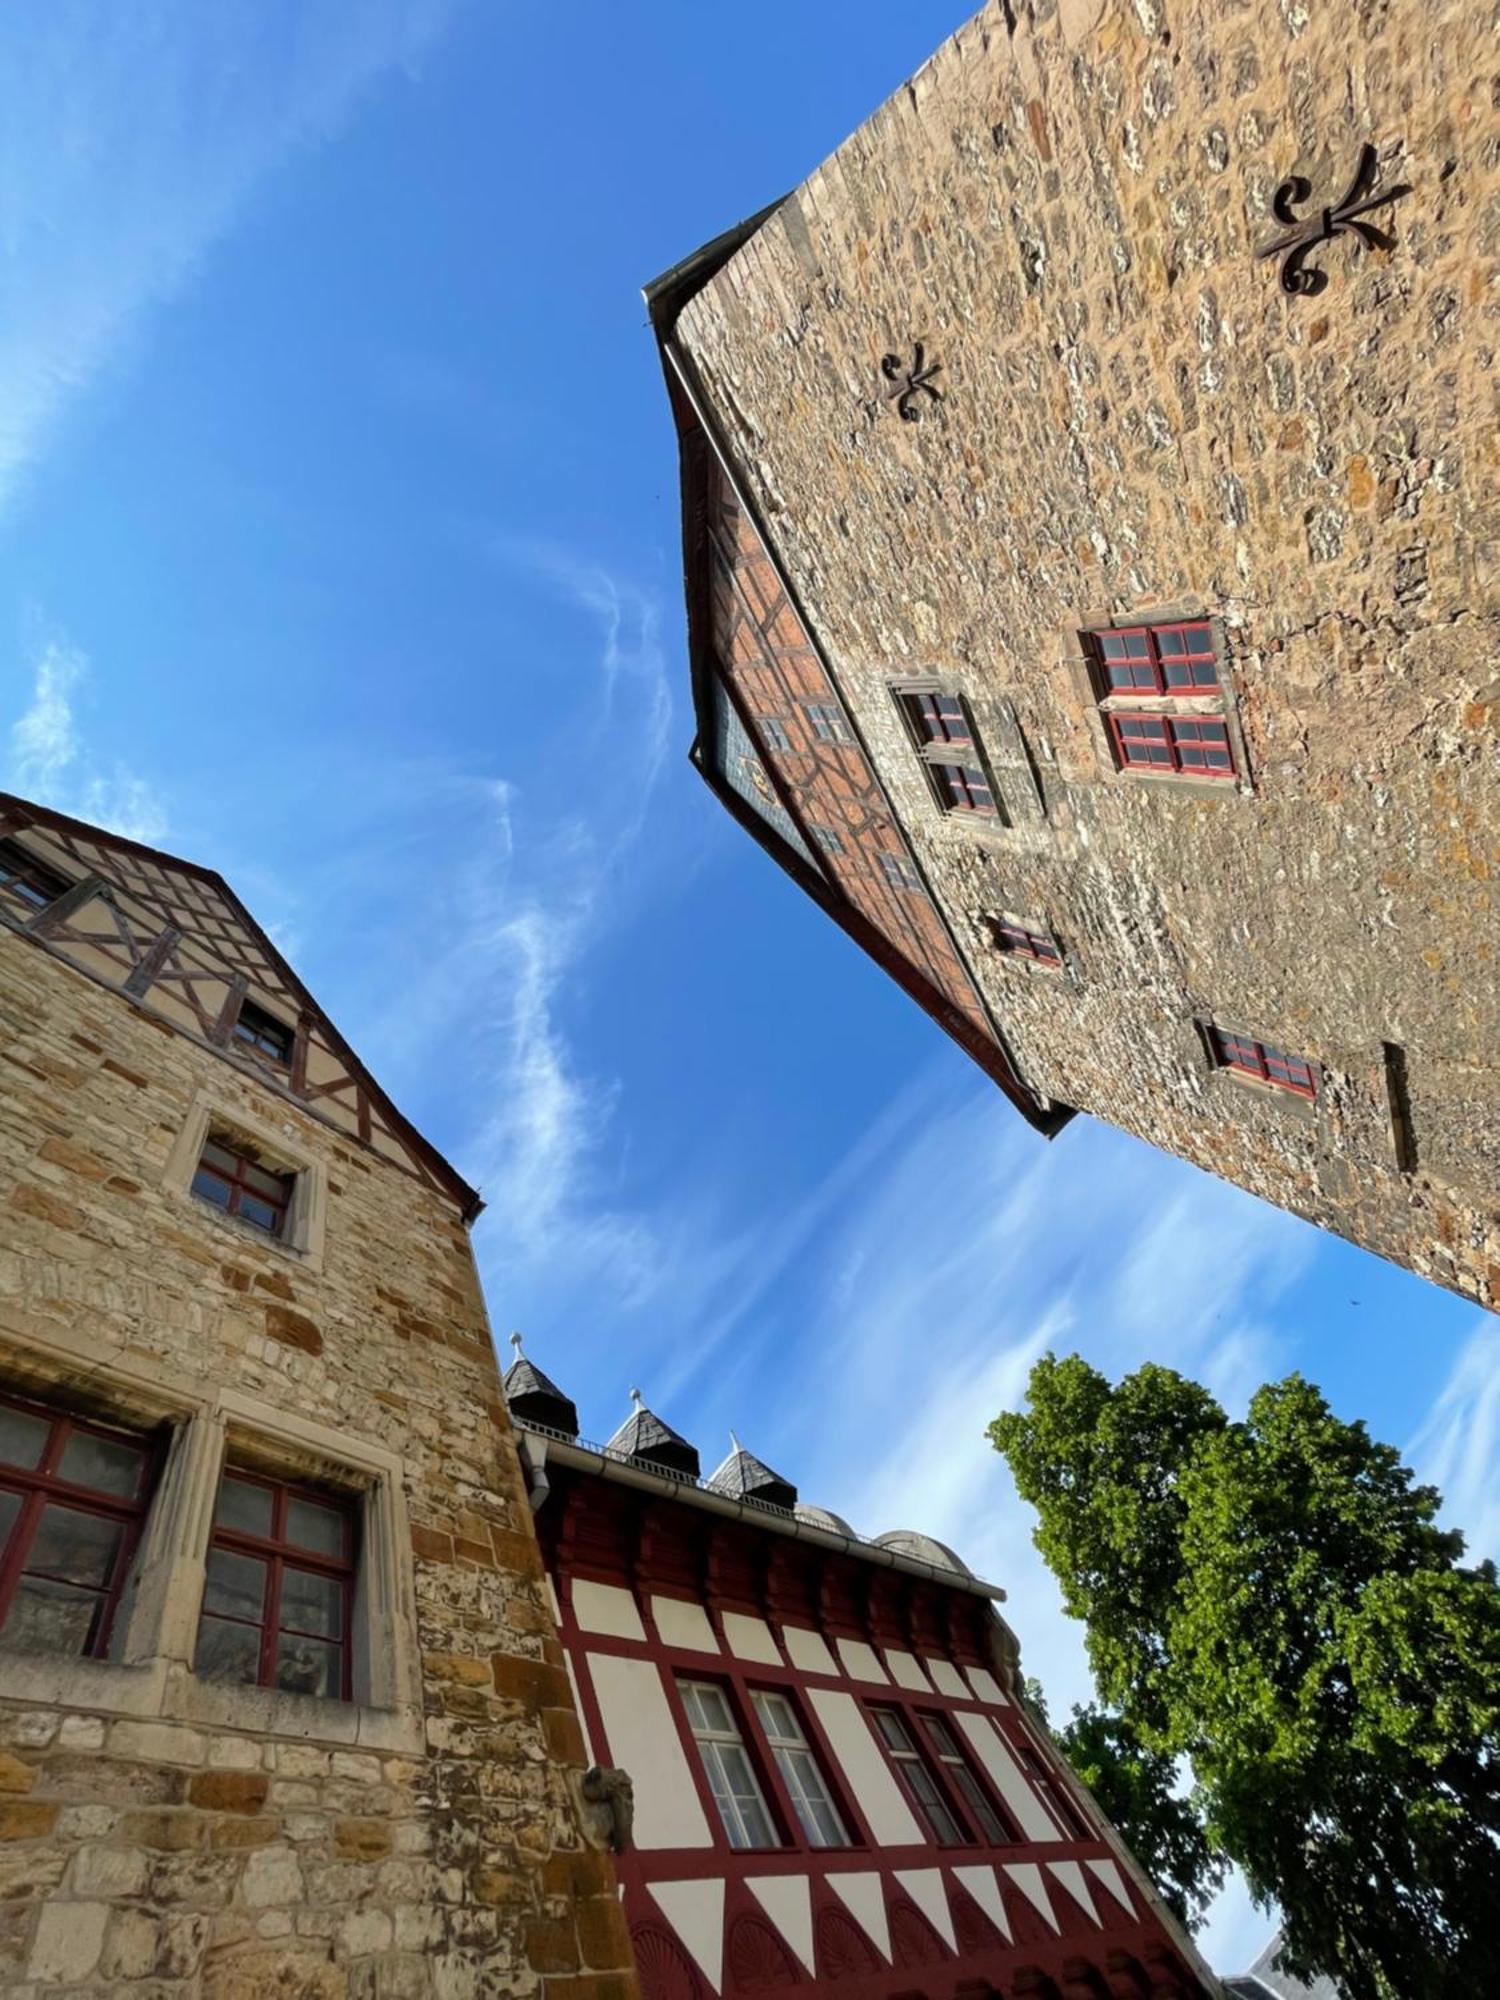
<point>1307,232</point>
<point>910,383</point>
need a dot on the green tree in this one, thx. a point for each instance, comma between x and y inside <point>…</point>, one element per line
<point>1273,1601</point>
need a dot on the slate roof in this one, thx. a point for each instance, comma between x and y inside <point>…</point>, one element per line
<point>743,1476</point>
<point>643,1435</point>
<point>536,1397</point>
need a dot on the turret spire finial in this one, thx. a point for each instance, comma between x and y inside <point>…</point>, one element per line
<point>734,1443</point>
<point>515,1341</point>
<point>638,1399</point>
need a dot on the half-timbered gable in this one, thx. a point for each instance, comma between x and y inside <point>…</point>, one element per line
<point>176,939</point>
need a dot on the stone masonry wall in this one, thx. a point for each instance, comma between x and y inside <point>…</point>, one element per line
<point>1135,418</point>
<point>144,1849</point>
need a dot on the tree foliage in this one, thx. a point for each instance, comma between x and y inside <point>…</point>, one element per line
<point>1273,1601</point>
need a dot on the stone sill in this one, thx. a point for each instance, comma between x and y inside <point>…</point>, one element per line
<point>1305,1108</point>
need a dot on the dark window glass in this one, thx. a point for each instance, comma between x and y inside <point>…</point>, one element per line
<point>827,839</point>
<point>240,1186</point>
<point>917,1780</point>
<point>72,1499</point>
<point>279,1589</point>
<point>256,1029</point>
<point>1260,1059</point>
<point>937,718</point>
<point>1016,941</point>
<point>27,879</point>
<point>1156,659</point>
<point>992,1825</point>
<point>1195,744</point>
<point>963,788</point>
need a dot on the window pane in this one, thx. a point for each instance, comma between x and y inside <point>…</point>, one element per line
<point>309,1666</point>
<point>691,1703</point>
<point>22,1437</point>
<point>777,1718</point>
<point>745,1792</point>
<point>216,1155</point>
<point>989,1820</point>
<point>211,1188</point>
<point>10,1508</point>
<point>715,1713</point>
<point>77,1547</point>
<point>236,1584</point>
<point>273,1185</point>
<point>311,1526</point>
<point>245,1506</point>
<point>47,1617</point>
<point>938,1730</point>
<point>228,1652</point>
<point>311,1603</point>
<point>108,1465</point>
<point>889,1725</point>
<point>253,1209</point>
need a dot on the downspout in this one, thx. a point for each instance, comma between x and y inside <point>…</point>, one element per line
<point>533,1453</point>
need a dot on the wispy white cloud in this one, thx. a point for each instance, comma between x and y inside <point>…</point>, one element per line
<point>1457,1447</point>
<point>49,759</point>
<point>130,140</point>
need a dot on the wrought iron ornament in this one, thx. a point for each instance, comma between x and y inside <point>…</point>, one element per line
<point>1307,232</point>
<point>910,383</point>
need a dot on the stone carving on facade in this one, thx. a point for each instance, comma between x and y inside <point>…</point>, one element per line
<point>612,1795</point>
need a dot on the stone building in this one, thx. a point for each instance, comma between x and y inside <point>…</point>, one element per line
<point>282,1704</point>
<point>1092,538</point>
<point>838,1788</point>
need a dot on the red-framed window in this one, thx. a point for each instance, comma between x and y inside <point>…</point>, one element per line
<point>727,1766</point>
<point>27,878</point>
<point>73,1497</point>
<point>1016,941</point>
<point>1053,1795</point>
<point>994,1825</point>
<point>796,1760</point>
<point>963,788</point>
<point>278,1598</point>
<point>936,717</point>
<point>1197,745</point>
<point>918,1779</point>
<point>1174,659</point>
<point>260,1030</point>
<point>1261,1059</point>
<point>241,1186</point>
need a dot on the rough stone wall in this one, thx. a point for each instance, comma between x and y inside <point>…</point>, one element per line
<point>336,1851</point>
<point>1134,417</point>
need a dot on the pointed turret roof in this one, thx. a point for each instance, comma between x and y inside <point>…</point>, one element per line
<point>535,1397</point>
<point>643,1435</point>
<point>743,1476</point>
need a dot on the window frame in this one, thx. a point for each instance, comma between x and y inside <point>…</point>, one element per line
<point>42,1484</point>
<point>240,1188</point>
<point>974,1795</point>
<point>916,1755</point>
<point>304,1234</point>
<point>782,1751</point>
<point>827,839</point>
<point>1025,943</point>
<point>267,1027</point>
<point>900,872</point>
<point>1170,725</point>
<point>30,879</point>
<point>278,1554</point>
<point>1053,1795</point>
<point>955,764</point>
<point>709,1739</point>
<point>1158,687</point>
<point>828,723</point>
<point>774,734</point>
<point>1255,1061</point>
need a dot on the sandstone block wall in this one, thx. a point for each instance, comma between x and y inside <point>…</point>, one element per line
<point>1063,207</point>
<point>163,1838</point>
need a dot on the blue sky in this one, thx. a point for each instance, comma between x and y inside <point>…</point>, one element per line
<point>339,550</point>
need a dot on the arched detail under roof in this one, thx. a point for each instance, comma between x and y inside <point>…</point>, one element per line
<point>907,1542</point>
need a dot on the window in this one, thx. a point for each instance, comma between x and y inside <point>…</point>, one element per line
<point>1155,659</point>
<point>1259,1059</point>
<point>35,885</point>
<point>1016,941</point>
<point>900,871</point>
<point>1052,1794</point>
<point>231,1180</point>
<point>262,1032</point>
<point>937,721</point>
<point>963,788</point>
<point>920,1785</point>
<point>72,1500</point>
<point>827,839</point>
<point>827,722</point>
<point>937,718</point>
<point>1196,745</point>
<point>279,1590</point>
<point>945,1748</point>
<point>773,733</point>
<point>816,1812</point>
<point>731,1777</point>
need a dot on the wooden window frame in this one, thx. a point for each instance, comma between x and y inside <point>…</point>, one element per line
<point>280,1554</point>
<point>959,1758</point>
<point>42,1484</point>
<point>918,1752</point>
<point>239,1186</point>
<point>773,733</point>
<point>257,1029</point>
<point>1026,942</point>
<point>955,764</point>
<point>751,1750</point>
<point>828,722</point>
<point>1157,685</point>
<point>1170,725</point>
<point>826,839</point>
<point>1261,1062</point>
<point>900,872</point>
<point>31,881</point>
<point>1053,1796</point>
<point>775,1745</point>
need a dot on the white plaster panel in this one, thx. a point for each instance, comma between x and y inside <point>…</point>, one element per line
<point>1028,1879</point>
<point>695,1910</point>
<point>750,1639</point>
<point>787,1901</point>
<point>1012,1782</point>
<point>684,1624</point>
<point>945,1678</point>
<point>906,1670</point>
<point>1073,1880</point>
<point>578,1705</point>
<point>860,1663</point>
<point>925,1887</point>
<point>1109,1874</point>
<point>807,1650</point>
<point>983,1887</point>
<point>864,1897</point>
<point>987,1687</point>
<point>865,1769</point>
<point>642,1738</point>
<point>605,1607</point>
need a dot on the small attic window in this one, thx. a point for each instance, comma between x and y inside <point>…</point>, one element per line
<point>262,1032</point>
<point>27,879</point>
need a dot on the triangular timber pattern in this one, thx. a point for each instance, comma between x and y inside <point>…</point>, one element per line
<point>177,939</point>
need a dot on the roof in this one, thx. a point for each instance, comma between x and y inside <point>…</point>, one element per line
<point>744,1476</point>
<point>1267,1981</point>
<point>645,1437</point>
<point>530,1393</point>
<point>29,812</point>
